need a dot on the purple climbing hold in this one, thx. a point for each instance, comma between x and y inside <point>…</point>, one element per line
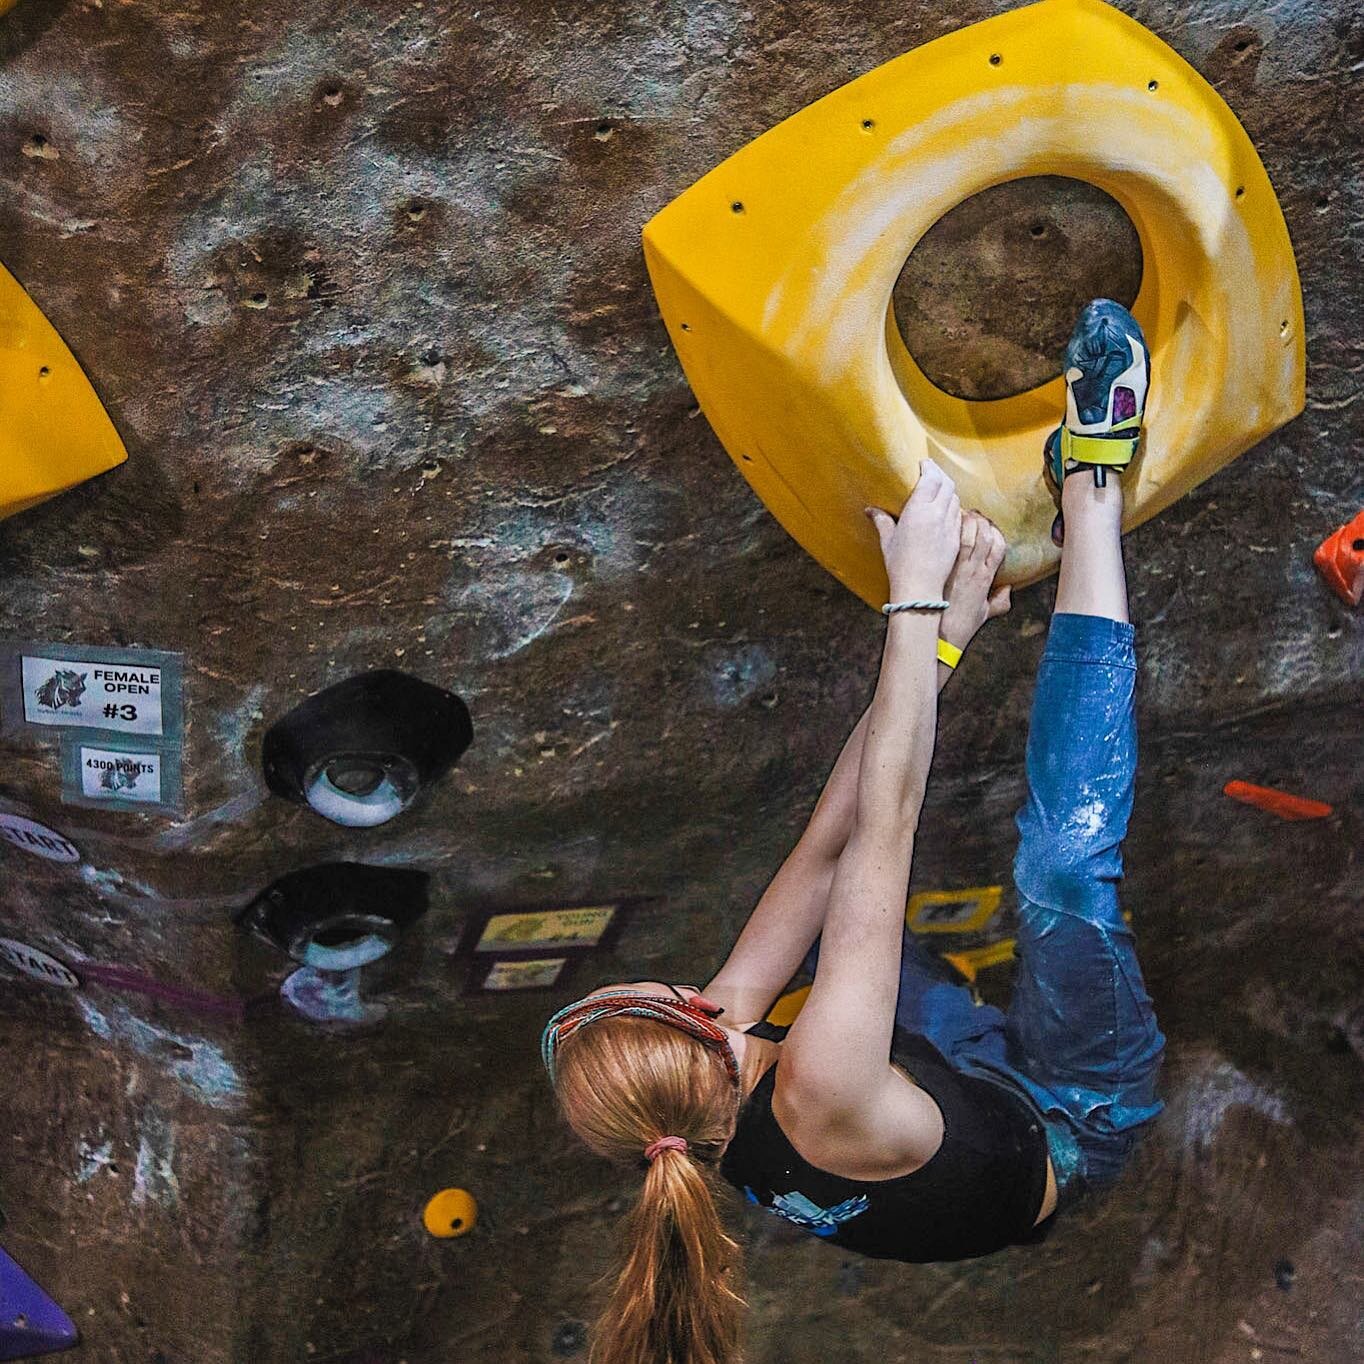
<point>30,1322</point>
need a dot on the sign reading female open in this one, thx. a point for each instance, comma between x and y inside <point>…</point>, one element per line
<point>132,699</point>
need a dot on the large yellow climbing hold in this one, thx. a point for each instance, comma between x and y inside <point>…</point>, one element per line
<point>774,274</point>
<point>451,1212</point>
<point>54,431</point>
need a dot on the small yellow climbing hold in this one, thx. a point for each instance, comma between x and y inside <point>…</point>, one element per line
<point>452,1212</point>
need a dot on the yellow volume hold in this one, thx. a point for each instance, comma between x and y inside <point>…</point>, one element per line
<point>774,274</point>
<point>54,431</point>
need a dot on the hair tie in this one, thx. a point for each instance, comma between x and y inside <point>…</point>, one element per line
<point>656,1148</point>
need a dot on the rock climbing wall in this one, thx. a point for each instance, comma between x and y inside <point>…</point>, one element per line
<point>362,291</point>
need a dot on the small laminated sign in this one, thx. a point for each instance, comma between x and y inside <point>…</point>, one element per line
<point>533,974</point>
<point>120,775</point>
<point>72,687</point>
<point>547,930</point>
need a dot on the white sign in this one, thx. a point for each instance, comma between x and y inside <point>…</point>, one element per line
<point>36,839</point>
<point>121,697</point>
<point>37,964</point>
<point>108,774</point>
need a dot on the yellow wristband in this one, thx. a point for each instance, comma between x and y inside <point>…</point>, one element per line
<point>948,653</point>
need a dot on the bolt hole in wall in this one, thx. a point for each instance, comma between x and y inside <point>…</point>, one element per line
<point>988,297</point>
<point>39,148</point>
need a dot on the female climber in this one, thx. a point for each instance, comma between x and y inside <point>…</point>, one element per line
<point>896,1117</point>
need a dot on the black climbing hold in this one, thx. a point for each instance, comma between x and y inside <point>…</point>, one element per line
<point>360,751</point>
<point>1284,1274</point>
<point>339,915</point>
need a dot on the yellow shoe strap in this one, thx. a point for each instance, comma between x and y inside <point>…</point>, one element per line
<point>1098,449</point>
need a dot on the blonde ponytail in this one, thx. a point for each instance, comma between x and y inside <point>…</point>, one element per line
<point>624,1083</point>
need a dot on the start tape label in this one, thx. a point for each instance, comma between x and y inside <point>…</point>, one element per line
<point>37,839</point>
<point>120,775</point>
<point>117,691</point>
<point>37,964</point>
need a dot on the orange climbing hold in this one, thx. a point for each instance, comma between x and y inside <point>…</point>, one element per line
<point>452,1212</point>
<point>1277,802</point>
<point>1340,560</point>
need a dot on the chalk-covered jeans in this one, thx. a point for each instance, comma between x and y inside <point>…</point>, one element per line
<point>1079,1039</point>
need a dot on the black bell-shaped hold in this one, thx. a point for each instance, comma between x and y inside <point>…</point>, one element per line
<point>359,752</point>
<point>338,915</point>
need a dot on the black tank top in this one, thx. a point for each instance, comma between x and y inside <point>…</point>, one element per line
<point>981,1190</point>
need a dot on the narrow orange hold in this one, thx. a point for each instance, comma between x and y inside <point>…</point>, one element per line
<point>1340,560</point>
<point>1277,802</point>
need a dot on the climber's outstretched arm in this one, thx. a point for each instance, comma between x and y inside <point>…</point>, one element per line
<point>790,915</point>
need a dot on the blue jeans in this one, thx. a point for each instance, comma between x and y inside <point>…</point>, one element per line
<point>1079,1040</point>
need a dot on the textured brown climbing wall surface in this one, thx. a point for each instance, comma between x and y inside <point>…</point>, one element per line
<point>361,288</point>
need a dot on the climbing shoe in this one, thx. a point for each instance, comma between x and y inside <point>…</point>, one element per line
<point>1108,372</point>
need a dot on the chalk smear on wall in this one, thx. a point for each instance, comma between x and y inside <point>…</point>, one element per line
<point>154,1177</point>
<point>95,1155</point>
<point>199,1066</point>
<point>1209,1093</point>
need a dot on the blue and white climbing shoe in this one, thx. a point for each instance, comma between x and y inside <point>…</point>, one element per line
<point>1108,374</point>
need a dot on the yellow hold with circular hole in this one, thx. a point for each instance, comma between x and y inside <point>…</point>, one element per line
<point>774,275</point>
<point>54,431</point>
<point>451,1212</point>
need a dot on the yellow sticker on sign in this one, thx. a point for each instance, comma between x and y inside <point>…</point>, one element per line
<point>952,911</point>
<point>547,929</point>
